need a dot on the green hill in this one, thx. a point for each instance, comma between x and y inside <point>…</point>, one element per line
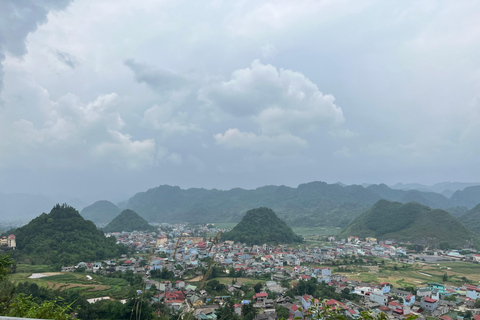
<point>260,226</point>
<point>101,212</point>
<point>410,222</point>
<point>128,220</point>
<point>64,237</point>
<point>471,219</point>
<point>468,197</point>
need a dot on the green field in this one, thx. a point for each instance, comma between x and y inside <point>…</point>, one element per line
<point>303,231</point>
<point>419,274</point>
<point>96,287</point>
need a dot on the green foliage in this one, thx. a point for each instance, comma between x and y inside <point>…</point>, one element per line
<point>162,274</point>
<point>100,212</point>
<point>249,311</point>
<point>64,237</point>
<point>282,312</point>
<point>320,290</point>
<point>25,307</point>
<point>260,226</point>
<point>471,219</point>
<point>227,311</point>
<point>410,222</point>
<point>6,264</point>
<point>128,220</point>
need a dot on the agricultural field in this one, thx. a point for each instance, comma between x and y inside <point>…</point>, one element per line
<point>419,274</point>
<point>91,285</point>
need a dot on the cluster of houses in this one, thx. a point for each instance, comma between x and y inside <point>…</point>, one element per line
<point>181,249</point>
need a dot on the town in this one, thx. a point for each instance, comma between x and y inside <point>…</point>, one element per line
<point>192,271</point>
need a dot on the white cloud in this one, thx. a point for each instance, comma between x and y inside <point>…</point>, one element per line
<point>166,119</point>
<point>283,144</point>
<point>279,101</point>
<point>125,152</point>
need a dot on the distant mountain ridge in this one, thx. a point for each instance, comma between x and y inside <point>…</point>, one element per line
<point>442,187</point>
<point>410,222</point>
<point>310,204</point>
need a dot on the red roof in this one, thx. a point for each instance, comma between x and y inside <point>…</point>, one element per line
<point>399,311</point>
<point>305,277</point>
<point>409,297</point>
<point>445,317</point>
<point>429,300</point>
<point>294,307</point>
<point>307,297</point>
<point>476,317</point>
<point>261,295</point>
<point>393,303</point>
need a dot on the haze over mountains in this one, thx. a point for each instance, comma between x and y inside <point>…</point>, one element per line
<point>310,204</point>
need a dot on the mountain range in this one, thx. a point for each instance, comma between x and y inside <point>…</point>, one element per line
<point>310,204</point>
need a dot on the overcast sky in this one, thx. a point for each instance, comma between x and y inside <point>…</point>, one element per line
<point>108,98</point>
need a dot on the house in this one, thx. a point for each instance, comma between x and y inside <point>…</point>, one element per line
<point>306,301</point>
<point>378,297</point>
<point>409,300</point>
<point>11,243</point>
<point>440,287</point>
<point>472,292</point>
<point>295,312</point>
<point>429,304</point>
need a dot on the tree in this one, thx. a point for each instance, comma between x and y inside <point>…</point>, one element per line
<point>282,312</point>
<point>248,311</point>
<point>444,245</point>
<point>445,277</point>
<point>257,287</point>
<point>24,307</point>
<point>6,264</point>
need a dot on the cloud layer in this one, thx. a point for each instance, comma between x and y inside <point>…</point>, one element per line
<point>223,94</point>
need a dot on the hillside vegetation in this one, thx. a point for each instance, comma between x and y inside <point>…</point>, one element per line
<point>310,204</point>
<point>471,219</point>
<point>64,237</point>
<point>260,226</point>
<point>129,220</point>
<point>101,212</point>
<point>410,222</point>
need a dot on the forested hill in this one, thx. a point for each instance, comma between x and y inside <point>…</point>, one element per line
<point>410,222</point>
<point>260,226</point>
<point>63,236</point>
<point>101,212</point>
<point>471,219</point>
<point>129,221</point>
<point>310,204</point>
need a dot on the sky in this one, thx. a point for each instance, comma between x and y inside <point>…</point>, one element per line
<point>103,99</point>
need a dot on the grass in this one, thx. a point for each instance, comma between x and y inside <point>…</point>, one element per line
<point>99,285</point>
<point>321,231</point>
<point>34,268</point>
<point>419,274</point>
<point>225,225</point>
